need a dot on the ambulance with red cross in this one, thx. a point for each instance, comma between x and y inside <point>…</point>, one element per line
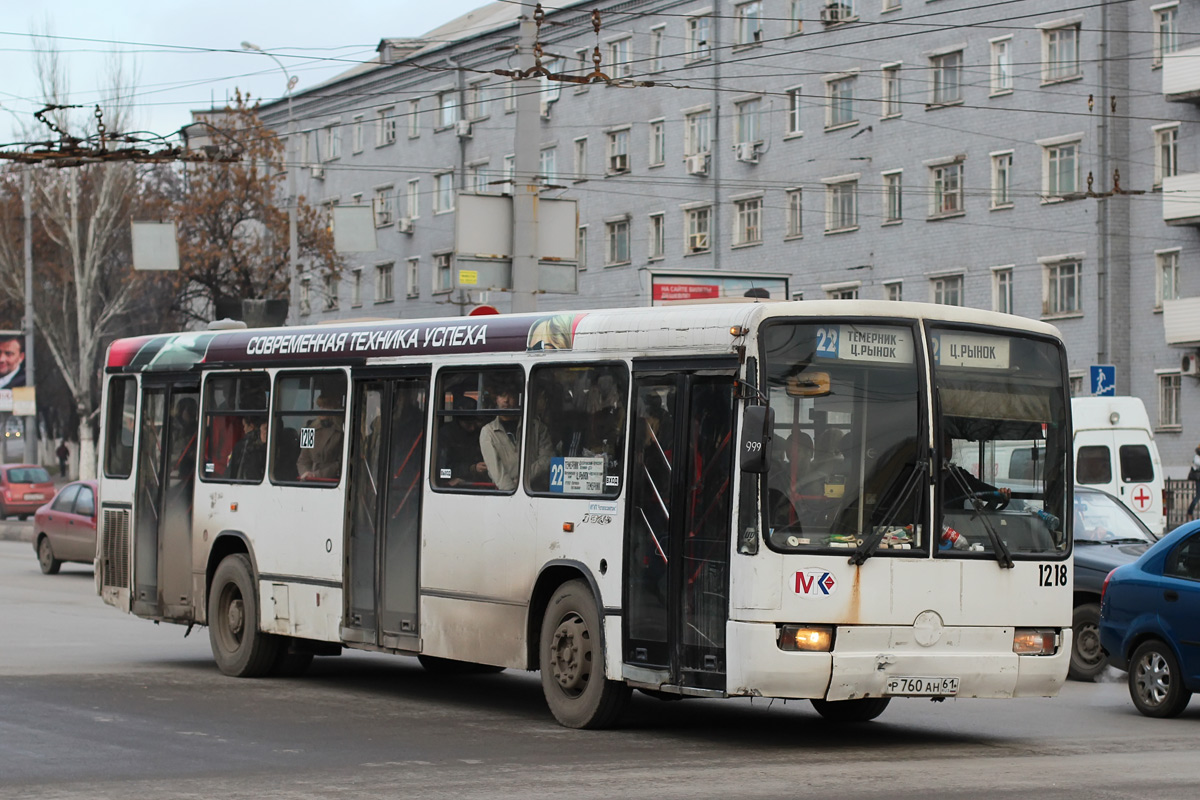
<point>1115,451</point>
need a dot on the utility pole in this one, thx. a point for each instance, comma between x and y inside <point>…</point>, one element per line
<point>525,186</point>
<point>31,427</point>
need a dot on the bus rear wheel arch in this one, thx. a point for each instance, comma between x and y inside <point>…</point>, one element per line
<point>571,656</point>
<point>238,646</point>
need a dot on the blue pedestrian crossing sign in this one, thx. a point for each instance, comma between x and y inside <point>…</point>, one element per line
<point>1104,380</point>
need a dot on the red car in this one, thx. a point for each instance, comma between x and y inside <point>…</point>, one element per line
<point>65,528</point>
<point>24,488</point>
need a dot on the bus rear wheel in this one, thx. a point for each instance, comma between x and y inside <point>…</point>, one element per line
<point>862,710</point>
<point>238,647</point>
<point>572,662</point>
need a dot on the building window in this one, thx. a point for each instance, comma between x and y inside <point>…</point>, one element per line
<point>795,17</point>
<point>447,109</point>
<point>581,248</point>
<point>696,133</point>
<point>891,91</point>
<point>1075,384</point>
<point>356,136</point>
<point>658,236</point>
<point>891,5</point>
<point>1166,152</point>
<point>617,235</point>
<point>477,100</point>
<point>305,295</point>
<point>414,119</point>
<point>581,159</point>
<point>385,126</point>
<point>1060,53</point>
<point>385,207</point>
<point>795,97</point>
<point>947,78</point>
<point>443,192</point>
<point>1167,272</point>
<point>947,290</point>
<point>697,228</point>
<point>1002,290</point>
<point>839,102</point>
<point>551,90</point>
<point>1063,279</point>
<point>356,287</point>
<point>1002,180</point>
<point>413,282</point>
<point>842,292</point>
<point>697,45</point>
<point>746,122</point>
<point>795,213</point>
<point>748,221</point>
<point>1061,170</point>
<point>656,49</point>
<point>893,198</point>
<point>1169,384</point>
<point>413,198</point>
<point>1166,31</point>
<point>894,291</point>
<point>619,65</point>
<point>583,57</point>
<point>841,205</point>
<point>510,96</point>
<point>477,176</point>
<point>548,165</point>
<point>749,22</point>
<point>658,143</point>
<point>443,278</point>
<point>384,293</point>
<point>618,151</point>
<point>510,171</point>
<point>947,189</point>
<point>331,292</point>
<point>1001,66</point>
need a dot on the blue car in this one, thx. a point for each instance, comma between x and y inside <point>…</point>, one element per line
<point>1150,622</point>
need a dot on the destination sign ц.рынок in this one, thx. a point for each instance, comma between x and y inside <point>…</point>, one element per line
<point>970,350</point>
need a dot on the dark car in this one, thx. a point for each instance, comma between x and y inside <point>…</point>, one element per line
<point>23,489</point>
<point>65,528</point>
<point>1150,622</point>
<point>1107,535</point>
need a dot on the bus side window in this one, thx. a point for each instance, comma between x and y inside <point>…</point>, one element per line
<point>307,428</point>
<point>576,435</point>
<point>120,427</point>
<point>234,432</point>
<point>476,441</point>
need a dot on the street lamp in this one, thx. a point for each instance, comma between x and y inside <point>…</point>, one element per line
<point>293,236</point>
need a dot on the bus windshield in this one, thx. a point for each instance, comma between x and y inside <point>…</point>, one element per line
<point>1004,450</point>
<point>845,459</point>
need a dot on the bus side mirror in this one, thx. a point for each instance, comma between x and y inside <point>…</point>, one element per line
<point>757,424</point>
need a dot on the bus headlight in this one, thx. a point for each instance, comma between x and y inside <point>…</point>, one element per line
<point>809,638</point>
<point>1035,641</point>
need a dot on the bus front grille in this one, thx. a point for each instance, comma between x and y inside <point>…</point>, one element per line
<point>114,548</point>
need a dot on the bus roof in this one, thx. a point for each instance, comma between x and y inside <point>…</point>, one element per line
<point>700,329</point>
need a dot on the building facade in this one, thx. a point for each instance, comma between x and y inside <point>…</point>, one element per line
<point>1009,157</point>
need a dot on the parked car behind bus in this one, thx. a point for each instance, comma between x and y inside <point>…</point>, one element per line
<point>65,528</point>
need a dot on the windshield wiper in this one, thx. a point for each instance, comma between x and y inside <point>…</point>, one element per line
<point>1003,557</point>
<point>869,543</point>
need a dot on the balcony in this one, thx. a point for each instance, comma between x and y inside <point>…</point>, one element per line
<point>1181,199</point>
<point>1181,322</point>
<point>1181,76</point>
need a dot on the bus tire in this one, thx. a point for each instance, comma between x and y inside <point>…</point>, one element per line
<point>238,647</point>
<point>572,662</point>
<point>1087,659</point>
<point>862,710</point>
<point>449,666</point>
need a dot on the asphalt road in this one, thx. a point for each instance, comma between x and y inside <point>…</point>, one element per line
<point>96,704</point>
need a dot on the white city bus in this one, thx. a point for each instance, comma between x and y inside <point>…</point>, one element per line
<point>705,500</point>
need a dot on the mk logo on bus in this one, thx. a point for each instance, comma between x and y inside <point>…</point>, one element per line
<point>817,582</point>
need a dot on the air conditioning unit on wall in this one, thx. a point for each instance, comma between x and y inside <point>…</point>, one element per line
<point>1190,365</point>
<point>747,152</point>
<point>405,225</point>
<point>697,164</point>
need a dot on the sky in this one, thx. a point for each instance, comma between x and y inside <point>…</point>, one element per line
<point>187,56</point>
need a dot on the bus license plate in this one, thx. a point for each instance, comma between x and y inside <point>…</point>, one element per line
<point>921,687</point>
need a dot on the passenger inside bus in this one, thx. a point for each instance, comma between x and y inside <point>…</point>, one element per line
<point>459,453</point>
<point>323,461</point>
<point>961,488</point>
<point>500,442</point>
<point>248,458</point>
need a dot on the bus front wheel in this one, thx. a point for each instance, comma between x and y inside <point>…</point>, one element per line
<point>238,647</point>
<point>572,662</point>
<point>861,710</point>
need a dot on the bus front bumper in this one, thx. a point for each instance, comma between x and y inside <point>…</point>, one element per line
<point>867,658</point>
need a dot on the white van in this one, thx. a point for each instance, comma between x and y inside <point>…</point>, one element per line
<point>1115,451</point>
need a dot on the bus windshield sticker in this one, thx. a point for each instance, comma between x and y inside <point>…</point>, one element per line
<point>573,475</point>
<point>308,438</point>
<point>865,343</point>
<point>976,351</point>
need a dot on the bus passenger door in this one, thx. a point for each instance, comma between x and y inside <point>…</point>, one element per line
<point>383,521</point>
<point>165,482</point>
<point>678,532</point>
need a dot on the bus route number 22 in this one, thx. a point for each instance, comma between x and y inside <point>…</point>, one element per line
<point>827,341</point>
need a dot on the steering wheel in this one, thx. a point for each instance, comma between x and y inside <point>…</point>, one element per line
<point>993,500</point>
